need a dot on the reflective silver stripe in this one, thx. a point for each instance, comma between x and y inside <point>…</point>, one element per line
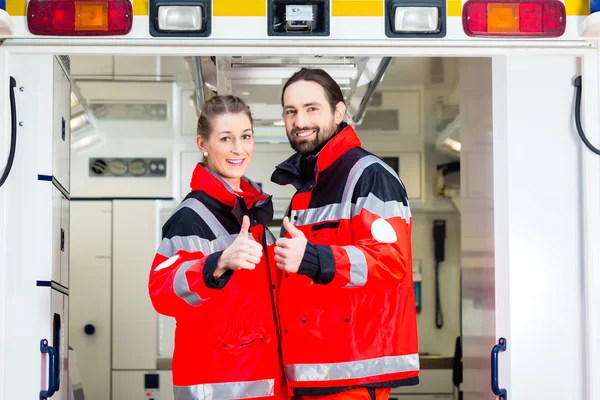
<point>358,266</point>
<point>353,369</point>
<point>345,209</point>
<point>330,212</point>
<point>182,287</point>
<point>204,213</point>
<point>225,391</point>
<point>170,247</point>
<point>270,237</point>
<point>385,209</point>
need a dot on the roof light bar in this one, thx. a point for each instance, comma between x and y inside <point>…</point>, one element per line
<point>79,17</point>
<point>514,18</point>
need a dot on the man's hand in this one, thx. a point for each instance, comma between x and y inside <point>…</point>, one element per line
<point>289,252</point>
<point>243,253</point>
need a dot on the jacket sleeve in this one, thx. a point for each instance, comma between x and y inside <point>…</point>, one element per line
<point>182,271</point>
<point>380,223</point>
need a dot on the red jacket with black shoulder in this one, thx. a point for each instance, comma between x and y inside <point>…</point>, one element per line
<point>226,339</point>
<point>348,317</point>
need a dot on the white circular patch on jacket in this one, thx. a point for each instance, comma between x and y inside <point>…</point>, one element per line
<point>167,263</point>
<point>383,231</point>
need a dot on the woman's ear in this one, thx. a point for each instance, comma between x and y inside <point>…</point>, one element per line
<point>201,143</point>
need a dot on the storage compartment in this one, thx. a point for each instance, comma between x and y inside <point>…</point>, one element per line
<point>65,239</point>
<point>60,238</point>
<point>54,345</point>
<point>61,127</point>
<point>135,240</point>
<point>90,322</point>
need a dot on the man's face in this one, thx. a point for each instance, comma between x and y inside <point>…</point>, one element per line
<point>309,120</point>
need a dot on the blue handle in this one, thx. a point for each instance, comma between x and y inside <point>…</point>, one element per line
<point>52,384</point>
<point>501,346</point>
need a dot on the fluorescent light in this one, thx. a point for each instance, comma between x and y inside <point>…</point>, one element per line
<point>416,19</point>
<point>180,18</point>
<point>279,123</point>
<point>74,100</point>
<point>452,144</point>
<point>79,121</point>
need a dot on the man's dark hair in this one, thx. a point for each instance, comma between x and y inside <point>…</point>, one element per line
<point>332,89</point>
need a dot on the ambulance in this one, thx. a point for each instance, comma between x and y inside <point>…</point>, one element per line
<point>530,120</point>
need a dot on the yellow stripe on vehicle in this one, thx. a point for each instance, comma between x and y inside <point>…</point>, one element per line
<point>454,8</point>
<point>577,7</point>
<point>357,8</point>
<point>239,8</point>
<point>140,7</point>
<point>16,8</point>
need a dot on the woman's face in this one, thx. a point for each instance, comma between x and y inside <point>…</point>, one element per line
<point>230,147</point>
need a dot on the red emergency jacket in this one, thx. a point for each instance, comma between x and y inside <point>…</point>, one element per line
<point>226,340</point>
<point>348,317</point>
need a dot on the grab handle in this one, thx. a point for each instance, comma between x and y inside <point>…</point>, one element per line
<point>501,346</point>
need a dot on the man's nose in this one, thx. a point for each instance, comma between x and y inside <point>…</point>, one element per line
<point>302,120</point>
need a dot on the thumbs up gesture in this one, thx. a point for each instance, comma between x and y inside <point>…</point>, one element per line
<point>290,251</point>
<point>243,253</point>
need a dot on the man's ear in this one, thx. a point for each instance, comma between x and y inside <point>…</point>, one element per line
<point>339,113</point>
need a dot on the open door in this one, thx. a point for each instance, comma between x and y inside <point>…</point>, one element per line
<point>522,253</point>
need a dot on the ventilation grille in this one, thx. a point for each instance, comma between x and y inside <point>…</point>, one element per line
<point>381,120</point>
<point>127,167</point>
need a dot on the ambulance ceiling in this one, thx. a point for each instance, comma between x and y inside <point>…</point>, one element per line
<point>133,95</point>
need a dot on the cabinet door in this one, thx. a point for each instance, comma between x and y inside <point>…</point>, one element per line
<point>135,322</point>
<point>61,128</point>
<point>90,273</point>
<point>65,240</point>
<point>55,345</point>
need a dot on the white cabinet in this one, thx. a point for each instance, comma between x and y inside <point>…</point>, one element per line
<point>90,324</point>
<point>54,340</point>
<point>61,127</point>
<point>135,240</point>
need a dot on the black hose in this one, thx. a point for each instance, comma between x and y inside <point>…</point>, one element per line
<point>13,135</point>
<point>577,85</point>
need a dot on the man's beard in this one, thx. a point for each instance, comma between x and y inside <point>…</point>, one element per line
<point>308,147</point>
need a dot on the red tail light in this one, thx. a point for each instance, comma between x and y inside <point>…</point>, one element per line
<point>513,18</point>
<point>79,17</point>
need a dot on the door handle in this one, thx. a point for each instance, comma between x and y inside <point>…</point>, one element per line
<point>52,383</point>
<point>501,346</point>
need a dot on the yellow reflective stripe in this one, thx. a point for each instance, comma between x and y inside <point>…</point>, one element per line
<point>577,7</point>
<point>140,7</point>
<point>237,8</point>
<point>357,8</point>
<point>16,8</point>
<point>454,8</point>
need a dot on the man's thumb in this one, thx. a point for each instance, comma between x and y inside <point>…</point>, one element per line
<point>291,229</point>
<point>245,227</point>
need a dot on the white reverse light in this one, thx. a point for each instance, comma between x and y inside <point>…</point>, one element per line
<point>180,18</point>
<point>416,19</point>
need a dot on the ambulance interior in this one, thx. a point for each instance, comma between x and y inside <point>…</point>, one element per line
<point>133,128</point>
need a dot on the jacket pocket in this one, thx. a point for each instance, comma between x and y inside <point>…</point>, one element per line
<point>241,344</point>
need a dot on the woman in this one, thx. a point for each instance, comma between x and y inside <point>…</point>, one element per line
<point>215,273</point>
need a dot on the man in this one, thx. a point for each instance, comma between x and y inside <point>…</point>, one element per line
<point>347,308</point>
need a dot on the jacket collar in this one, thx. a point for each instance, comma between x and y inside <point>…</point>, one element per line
<point>291,170</point>
<point>205,180</point>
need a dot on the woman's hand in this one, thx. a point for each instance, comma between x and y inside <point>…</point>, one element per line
<point>243,253</point>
